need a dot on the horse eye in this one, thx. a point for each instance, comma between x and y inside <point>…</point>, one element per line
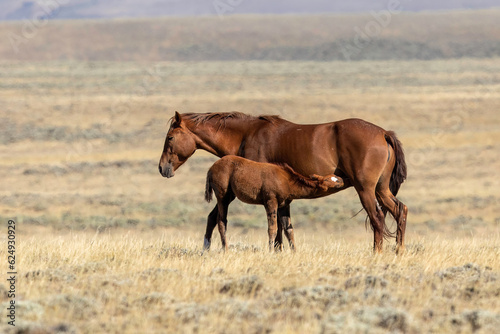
<point>170,138</point>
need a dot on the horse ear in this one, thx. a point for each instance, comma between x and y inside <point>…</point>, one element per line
<point>316,177</point>
<point>323,186</point>
<point>177,120</point>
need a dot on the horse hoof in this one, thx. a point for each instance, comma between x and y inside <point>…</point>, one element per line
<point>206,244</point>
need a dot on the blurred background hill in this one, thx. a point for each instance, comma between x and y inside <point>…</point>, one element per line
<point>312,37</point>
<point>84,9</point>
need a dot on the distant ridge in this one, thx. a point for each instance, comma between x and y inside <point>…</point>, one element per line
<point>85,9</point>
<point>427,35</point>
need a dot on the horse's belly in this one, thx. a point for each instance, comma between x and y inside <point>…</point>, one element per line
<point>249,196</point>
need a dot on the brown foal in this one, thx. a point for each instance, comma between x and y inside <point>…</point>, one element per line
<point>261,183</point>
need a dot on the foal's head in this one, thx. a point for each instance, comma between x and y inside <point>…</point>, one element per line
<point>328,182</point>
<point>179,146</point>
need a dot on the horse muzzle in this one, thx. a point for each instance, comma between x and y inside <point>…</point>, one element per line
<point>167,171</point>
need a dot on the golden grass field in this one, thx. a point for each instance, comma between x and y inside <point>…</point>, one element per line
<point>106,245</point>
<point>159,281</point>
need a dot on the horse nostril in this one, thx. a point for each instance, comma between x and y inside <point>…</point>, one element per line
<point>159,168</point>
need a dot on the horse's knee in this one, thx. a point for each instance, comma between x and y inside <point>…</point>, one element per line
<point>405,213</point>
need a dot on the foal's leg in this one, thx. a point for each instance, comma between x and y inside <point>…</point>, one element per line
<point>284,221</point>
<point>278,242</point>
<point>222,224</point>
<point>212,222</point>
<point>222,206</point>
<point>399,211</point>
<point>272,222</point>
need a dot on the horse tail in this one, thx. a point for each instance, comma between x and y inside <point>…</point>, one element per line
<point>208,187</point>
<point>398,175</point>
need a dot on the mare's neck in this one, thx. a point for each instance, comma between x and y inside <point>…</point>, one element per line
<point>220,141</point>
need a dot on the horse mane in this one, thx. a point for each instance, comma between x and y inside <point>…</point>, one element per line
<point>298,178</point>
<point>222,117</point>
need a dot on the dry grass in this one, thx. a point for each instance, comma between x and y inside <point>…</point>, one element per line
<point>160,281</point>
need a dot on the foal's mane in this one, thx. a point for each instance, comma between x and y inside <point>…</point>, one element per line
<point>222,117</point>
<point>298,178</point>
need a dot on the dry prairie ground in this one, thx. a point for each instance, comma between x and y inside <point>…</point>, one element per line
<point>159,281</point>
<point>107,245</point>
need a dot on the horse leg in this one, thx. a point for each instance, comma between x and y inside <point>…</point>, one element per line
<point>222,224</point>
<point>272,222</point>
<point>400,235</point>
<point>284,220</point>
<point>375,215</point>
<point>212,222</point>
<point>399,211</point>
<point>278,242</point>
<point>222,206</point>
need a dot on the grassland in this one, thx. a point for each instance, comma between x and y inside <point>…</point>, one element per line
<point>107,245</point>
<point>160,282</point>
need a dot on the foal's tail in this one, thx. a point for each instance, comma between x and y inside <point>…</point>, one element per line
<point>398,175</point>
<point>208,187</point>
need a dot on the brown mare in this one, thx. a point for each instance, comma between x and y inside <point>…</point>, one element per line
<point>369,156</point>
<point>261,183</point>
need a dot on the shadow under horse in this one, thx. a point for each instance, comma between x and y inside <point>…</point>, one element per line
<point>371,158</point>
